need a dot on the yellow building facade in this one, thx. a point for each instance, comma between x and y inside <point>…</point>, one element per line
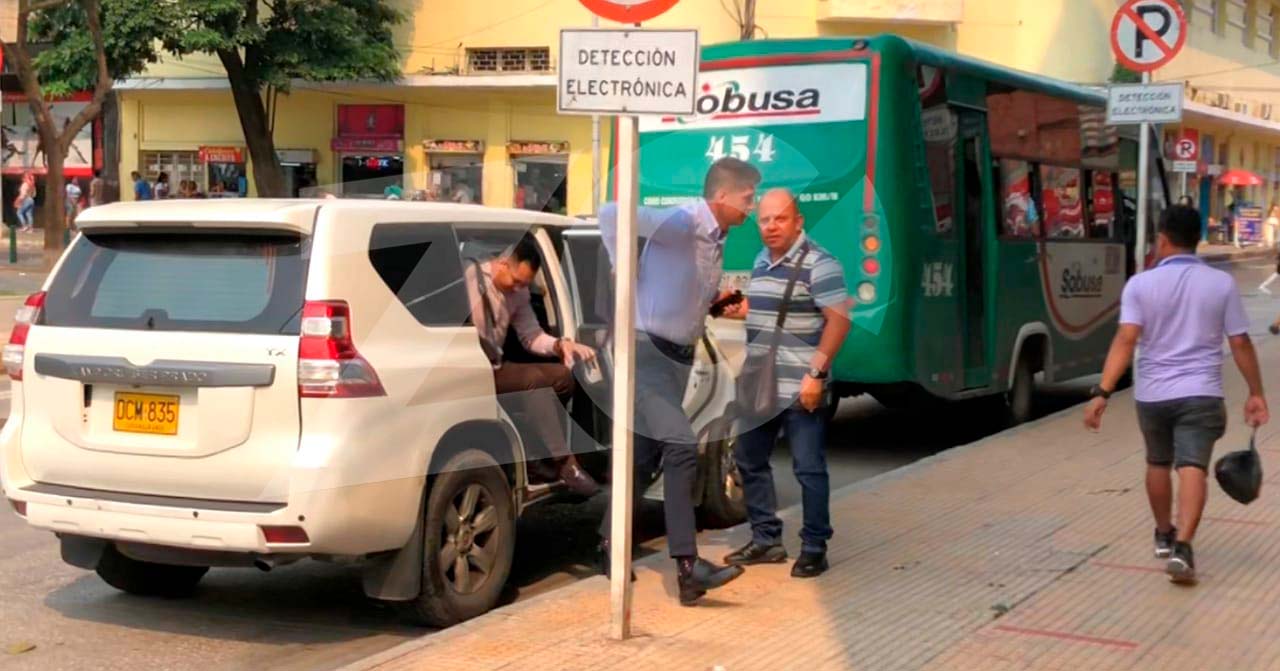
<point>474,116</point>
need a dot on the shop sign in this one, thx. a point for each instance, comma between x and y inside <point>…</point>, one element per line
<point>358,144</point>
<point>296,156</point>
<point>1215,169</point>
<point>221,155</point>
<point>385,121</point>
<point>454,146</point>
<point>536,147</point>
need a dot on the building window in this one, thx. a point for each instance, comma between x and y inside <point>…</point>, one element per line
<point>486,61</point>
<point>1263,27</point>
<point>1237,21</point>
<point>178,166</point>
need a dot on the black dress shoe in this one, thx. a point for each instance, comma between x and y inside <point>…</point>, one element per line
<point>696,576</point>
<point>578,481</point>
<point>754,553</point>
<point>603,558</point>
<point>810,565</point>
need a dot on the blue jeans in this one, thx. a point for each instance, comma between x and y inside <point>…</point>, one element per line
<point>25,212</point>
<point>807,435</point>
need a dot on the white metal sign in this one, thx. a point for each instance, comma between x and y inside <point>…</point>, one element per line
<point>627,72</point>
<point>1144,103</point>
<point>1184,166</point>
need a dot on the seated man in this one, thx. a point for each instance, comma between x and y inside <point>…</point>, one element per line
<point>499,293</point>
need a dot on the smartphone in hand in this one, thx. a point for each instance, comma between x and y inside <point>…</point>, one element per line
<point>718,307</point>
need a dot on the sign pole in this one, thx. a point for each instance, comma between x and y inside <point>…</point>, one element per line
<point>624,365</point>
<point>595,147</point>
<point>1144,149</point>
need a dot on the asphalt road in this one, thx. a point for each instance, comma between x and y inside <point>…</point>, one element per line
<point>313,616</point>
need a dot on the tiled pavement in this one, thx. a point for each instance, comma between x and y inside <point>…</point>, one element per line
<point>1028,550</point>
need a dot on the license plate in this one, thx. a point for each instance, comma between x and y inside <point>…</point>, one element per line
<point>146,413</point>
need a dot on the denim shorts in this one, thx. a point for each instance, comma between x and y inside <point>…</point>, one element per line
<point>1181,432</point>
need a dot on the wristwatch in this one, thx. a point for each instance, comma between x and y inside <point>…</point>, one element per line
<point>1097,391</point>
<point>817,374</point>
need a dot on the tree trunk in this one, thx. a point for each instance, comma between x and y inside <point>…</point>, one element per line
<point>268,176</point>
<point>53,213</point>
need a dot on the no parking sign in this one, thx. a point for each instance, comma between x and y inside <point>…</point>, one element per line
<point>1146,34</point>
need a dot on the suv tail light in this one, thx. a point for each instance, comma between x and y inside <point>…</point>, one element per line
<point>14,353</point>
<point>328,364</point>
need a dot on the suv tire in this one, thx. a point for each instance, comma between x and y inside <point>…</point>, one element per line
<point>469,539</point>
<point>147,578</point>
<point>723,503</point>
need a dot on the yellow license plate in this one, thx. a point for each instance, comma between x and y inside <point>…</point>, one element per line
<point>146,413</point>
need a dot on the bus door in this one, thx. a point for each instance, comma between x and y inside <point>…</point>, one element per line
<point>972,203</point>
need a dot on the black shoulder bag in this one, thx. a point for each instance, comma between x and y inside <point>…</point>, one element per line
<point>491,349</point>
<point>758,381</point>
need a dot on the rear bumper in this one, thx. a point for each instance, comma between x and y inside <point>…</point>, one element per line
<point>354,520</point>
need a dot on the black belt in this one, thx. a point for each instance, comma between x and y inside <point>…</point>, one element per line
<point>674,351</point>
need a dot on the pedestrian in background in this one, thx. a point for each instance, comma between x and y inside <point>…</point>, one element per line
<point>161,188</point>
<point>25,203</point>
<point>71,204</point>
<point>797,313</point>
<point>141,187</point>
<point>679,276</point>
<point>97,189</point>
<point>1177,314</point>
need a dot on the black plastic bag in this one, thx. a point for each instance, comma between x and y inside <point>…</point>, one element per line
<point>1240,473</point>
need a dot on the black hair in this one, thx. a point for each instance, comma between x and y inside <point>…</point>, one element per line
<point>526,251</point>
<point>1181,225</point>
<point>729,172</point>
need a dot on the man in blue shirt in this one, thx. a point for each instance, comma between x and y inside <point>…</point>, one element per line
<point>679,278</point>
<point>141,189</point>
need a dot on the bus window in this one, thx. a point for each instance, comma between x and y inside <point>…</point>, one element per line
<point>1102,205</point>
<point>1019,218</point>
<point>940,130</point>
<point>1063,205</point>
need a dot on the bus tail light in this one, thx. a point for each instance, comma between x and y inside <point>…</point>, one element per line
<point>871,244</point>
<point>866,293</point>
<point>870,266</point>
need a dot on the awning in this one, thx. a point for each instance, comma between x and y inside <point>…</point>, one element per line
<point>1193,111</point>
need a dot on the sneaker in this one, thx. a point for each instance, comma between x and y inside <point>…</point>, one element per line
<point>1181,566</point>
<point>1164,543</point>
<point>755,553</point>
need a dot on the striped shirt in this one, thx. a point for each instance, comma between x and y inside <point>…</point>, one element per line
<point>819,285</point>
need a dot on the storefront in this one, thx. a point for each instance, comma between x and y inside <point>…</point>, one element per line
<point>225,174</point>
<point>23,152</point>
<point>455,170</point>
<point>300,175</point>
<point>541,175</point>
<point>370,149</point>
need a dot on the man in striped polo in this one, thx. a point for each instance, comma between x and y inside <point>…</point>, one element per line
<point>813,328</point>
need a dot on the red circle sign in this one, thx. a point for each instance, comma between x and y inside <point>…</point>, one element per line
<point>628,11</point>
<point>1146,34</point>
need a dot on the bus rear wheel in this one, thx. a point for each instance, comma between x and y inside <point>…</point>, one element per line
<point>1020,399</point>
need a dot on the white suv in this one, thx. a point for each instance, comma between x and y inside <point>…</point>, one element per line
<point>253,382</point>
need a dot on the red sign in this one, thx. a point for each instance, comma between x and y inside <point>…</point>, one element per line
<point>1186,147</point>
<point>1146,34</point>
<point>221,155</point>
<point>363,144</point>
<point>628,11</point>
<point>385,121</point>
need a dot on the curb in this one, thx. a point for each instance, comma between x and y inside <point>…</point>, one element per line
<point>1259,253</point>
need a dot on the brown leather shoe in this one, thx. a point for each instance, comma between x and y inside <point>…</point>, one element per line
<point>578,481</point>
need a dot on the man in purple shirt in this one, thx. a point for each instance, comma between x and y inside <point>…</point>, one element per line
<point>1177,315</point>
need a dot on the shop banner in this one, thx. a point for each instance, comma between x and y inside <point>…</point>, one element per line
<point>22,148</point>
<point>453,146</point>
<point>1249,224</point>
<point>221,155</point>
<point>385,121</point>
<point>365,144</point>
<point>537,147</point>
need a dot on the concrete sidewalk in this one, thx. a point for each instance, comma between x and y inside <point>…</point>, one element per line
<point>1028,550</point>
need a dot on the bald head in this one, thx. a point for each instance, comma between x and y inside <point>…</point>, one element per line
<point>780,221</point>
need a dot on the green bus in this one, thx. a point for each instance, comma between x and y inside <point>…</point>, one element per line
<point>984,216</point>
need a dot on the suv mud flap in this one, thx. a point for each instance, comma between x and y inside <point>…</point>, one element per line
<point>397,575</point>
<point>82,552</point>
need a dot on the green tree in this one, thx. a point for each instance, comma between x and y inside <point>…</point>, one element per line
<point>266,45</point>
<point>66,46</point>
<point>1122,75</point>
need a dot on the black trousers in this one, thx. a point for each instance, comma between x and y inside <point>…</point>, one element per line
<point>664,436</point>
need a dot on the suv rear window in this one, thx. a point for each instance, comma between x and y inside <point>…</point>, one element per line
<point>223,282</point>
